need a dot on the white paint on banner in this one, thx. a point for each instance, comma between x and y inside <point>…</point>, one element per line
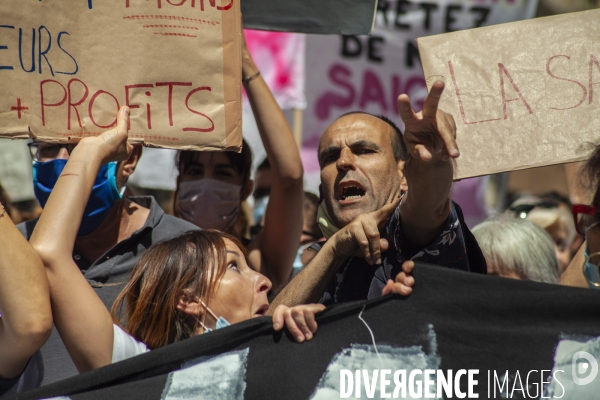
<point>370,358</point>
<point>576,370</point>
<point>214,377</point>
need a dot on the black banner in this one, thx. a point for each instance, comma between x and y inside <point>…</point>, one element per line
<point>457,335</point>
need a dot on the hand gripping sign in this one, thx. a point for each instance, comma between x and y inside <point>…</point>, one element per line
<point>523,94</point>
<point>66,66</point>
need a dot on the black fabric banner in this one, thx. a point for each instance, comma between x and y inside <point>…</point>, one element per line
<point>338,17</point>
<point>511,337</point>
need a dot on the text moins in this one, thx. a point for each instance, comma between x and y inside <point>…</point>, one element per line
<point>190,3</point>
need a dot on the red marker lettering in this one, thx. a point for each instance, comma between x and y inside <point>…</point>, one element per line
<point>91,106</point>
<point>503,71</point>
<point>187,104</point>
<point>74,105</point>
<point>43,104</point>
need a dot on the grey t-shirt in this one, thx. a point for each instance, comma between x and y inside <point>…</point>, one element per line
<point>108,275</point>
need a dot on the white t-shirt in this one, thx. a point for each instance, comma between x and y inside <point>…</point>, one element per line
<point>126,346</point>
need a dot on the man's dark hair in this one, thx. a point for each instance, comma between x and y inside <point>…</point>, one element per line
<point>398,146</point>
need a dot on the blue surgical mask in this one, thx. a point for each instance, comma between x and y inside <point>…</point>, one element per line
<point>221,323</point>
<point>104,192</point>
<point>590,270</point>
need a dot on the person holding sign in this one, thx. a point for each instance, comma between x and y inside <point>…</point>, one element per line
<point>25,314</point>
<point>114,232</point>
<point>182,287</point>
<point>366,168</point>
<point>212,185</point>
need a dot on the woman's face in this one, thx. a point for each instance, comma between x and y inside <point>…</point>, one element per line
<point>242,292</point>
<point>213,165</point>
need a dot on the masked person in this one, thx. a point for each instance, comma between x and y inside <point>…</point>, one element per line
<point>181,287</point>
<point>212,185</point>
<point>584,270</point>
<point>113,233</point>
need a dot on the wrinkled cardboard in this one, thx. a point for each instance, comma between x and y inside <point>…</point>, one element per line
<point>523,94</point>
<point>177,64</point>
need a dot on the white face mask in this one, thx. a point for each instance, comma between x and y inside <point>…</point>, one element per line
<point>209,203</point>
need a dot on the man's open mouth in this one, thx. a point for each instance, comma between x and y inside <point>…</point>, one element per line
<point>351,191</point>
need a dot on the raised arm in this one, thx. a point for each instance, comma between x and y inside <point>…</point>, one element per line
<point>84,323</point>
<point>279,240</point>
<point>26,321</point>
<point>430,138</point>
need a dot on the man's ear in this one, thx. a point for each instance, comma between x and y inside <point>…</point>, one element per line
<point>130,164</point>
<point>247,189</point>
<point>403,183</point>
<point>189,304</point>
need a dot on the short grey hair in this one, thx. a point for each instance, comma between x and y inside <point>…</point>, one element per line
<point>518,245</point>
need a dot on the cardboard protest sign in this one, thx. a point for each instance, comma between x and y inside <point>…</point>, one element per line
<point>66,66</point>
<point>522,94</point>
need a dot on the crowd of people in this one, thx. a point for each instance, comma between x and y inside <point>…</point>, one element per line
<point>101,277</point>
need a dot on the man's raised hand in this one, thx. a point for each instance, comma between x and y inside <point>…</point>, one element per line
<point>431,133</point>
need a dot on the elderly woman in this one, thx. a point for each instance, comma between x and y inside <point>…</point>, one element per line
<point>555,218</point>
<point>518,249</point>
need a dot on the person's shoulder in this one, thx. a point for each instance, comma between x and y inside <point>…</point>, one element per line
<point>177,224</point>
<point>169,227</point>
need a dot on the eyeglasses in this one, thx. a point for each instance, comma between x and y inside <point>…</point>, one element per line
<point>585,217</point>
<point>522,210</point>
<point>43,152</point>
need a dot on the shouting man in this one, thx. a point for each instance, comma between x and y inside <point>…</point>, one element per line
<point>386,201</point>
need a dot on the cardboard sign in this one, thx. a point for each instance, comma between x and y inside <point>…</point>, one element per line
<point>66,66</point>
<point>523,94</point>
